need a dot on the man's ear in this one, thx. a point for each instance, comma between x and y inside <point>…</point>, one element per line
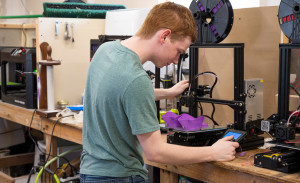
<point>164,34</point>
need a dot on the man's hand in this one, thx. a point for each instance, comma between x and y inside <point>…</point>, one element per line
<point>178,88</point>
<point>224,149</point>
<point>172,92</point>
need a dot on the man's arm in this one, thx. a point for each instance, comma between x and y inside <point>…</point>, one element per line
<point>158,151</point>
<point>170,93</point>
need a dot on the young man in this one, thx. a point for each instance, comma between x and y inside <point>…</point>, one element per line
<point>120,120</point>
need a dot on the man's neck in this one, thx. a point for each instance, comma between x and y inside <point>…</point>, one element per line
<point>140,46</point>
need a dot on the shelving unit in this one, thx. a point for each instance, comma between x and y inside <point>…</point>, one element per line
<point>17,26</point>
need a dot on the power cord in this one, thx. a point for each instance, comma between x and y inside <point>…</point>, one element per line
<point>201,113</point>
<point>29,132</point>
<point>210,94</point>
<point>51,161</point>
<point>294,122</point>
<point>49,154</point>
<point>51,138</point>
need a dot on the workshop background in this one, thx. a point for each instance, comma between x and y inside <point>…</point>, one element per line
<point>255,25</point>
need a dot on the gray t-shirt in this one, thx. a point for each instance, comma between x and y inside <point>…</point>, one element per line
<point>119,103</point>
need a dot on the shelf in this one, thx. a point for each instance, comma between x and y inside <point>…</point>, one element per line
<point>17,26</point>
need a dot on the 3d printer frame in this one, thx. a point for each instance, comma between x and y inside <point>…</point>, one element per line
<point>284,79</point>
<point>238,104</point>
<point>284,157</point>
<point>278,122</point>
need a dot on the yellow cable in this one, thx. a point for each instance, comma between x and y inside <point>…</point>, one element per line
<point>52,160</point>
<point>56,178</point>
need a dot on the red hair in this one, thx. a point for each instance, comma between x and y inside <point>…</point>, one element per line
<point>169,15</point>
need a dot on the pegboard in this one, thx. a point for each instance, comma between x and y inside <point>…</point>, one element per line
<point>70,76</point>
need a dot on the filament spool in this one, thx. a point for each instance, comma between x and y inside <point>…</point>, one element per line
<point>214,19</point>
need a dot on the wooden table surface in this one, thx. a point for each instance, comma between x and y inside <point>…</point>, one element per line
<point>241,170</point>
<point>68,131</point>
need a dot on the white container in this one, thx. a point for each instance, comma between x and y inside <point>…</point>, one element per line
<point>37,153</point>
<point>125,22</point>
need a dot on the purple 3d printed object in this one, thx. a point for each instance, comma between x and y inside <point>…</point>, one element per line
<point>171,120</point>
<point>184,122</point>
<point>189,123</point>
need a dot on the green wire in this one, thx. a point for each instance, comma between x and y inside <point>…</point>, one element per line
<point>21,16</point>
<point>51,161</point>
<point>56,178</point>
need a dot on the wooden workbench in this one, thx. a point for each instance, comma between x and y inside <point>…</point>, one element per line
<point>240,170</point>
<point>68,131</point>
<point>27,117</point>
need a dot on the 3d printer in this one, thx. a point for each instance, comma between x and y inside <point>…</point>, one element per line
<point>214,20</point>
<point>284,125</point>
<point>18,76</point>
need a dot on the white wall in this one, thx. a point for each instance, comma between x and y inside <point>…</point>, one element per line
<point>269,2</point>
<point>12,37</point>
<point>35,7</point>
<point>236,4</point>
<point>21,7</point>
<point>70,76</point>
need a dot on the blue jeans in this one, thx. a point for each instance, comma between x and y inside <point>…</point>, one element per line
<point>101,179</point>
